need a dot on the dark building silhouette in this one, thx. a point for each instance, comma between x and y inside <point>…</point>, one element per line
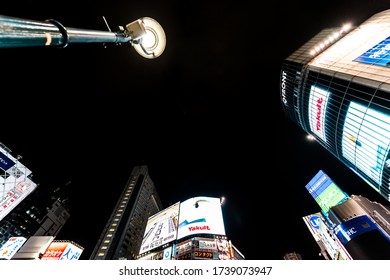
<point>122,236</point>
<point>292,256</point>
<point>42,213</point>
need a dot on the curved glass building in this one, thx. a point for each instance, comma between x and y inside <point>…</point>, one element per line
<point>336,87</point>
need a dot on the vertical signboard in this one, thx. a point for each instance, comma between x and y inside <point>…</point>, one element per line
<point>317,108</point>
<point>325,192</point>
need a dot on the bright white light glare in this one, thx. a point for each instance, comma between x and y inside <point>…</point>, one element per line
<point>310,137</point>
<point>346,27</point>
<point>152,44</point>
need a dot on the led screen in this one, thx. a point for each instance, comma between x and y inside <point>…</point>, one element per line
<point>161,228</point>
<point>200,215</point>
<point>366,139</point>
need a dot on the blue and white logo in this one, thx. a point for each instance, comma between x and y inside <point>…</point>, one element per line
<point>315,222</point>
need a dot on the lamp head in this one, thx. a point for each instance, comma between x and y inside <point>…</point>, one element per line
<point>148,37</point>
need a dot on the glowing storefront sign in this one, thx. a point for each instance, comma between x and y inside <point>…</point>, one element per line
<point>348,230</point>
<point>325,192</point>
<point>62,251</point>
<point>317,108</point>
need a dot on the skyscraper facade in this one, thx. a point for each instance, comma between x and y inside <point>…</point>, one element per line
<point>336,87</point>
<point>122,236</point>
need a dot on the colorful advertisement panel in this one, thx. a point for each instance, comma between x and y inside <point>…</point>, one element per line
<point>10,247</point>
<point>62,251</point>
<point>325,192</point>
<point>199,215</point>
<point>17,191</point>
<point>161,228</point>
<point>366,140</point>
<point>15,181</point>
<point>318,101</point>
<point>354,227</point>
<point>377,55</point>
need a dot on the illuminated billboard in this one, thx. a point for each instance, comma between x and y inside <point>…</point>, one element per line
<point>62,250</point>
<point>161,228</point>
<point>318,101</point>
<point>325,192</point>
<point>200,215</point>
<point>354,227</point>
<point>377,55</point>
<point>366,140</point>
<point>9,249</point>
<point>15,181</point>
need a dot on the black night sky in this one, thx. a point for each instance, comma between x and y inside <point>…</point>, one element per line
<point>205,116</point>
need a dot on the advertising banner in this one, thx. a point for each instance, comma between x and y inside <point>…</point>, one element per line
<point>10,247</point>
<point>199,215</point>
<point>161,228</point>
<point>325,192</point>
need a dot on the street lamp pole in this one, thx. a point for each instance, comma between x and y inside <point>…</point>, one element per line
<point>144,34</point>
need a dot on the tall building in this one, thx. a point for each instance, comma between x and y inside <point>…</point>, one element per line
<point>122,236</point>
<point>336,87</point>
<point>347,227</point>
